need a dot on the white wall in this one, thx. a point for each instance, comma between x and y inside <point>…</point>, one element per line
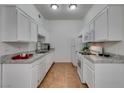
<point>61,33</point>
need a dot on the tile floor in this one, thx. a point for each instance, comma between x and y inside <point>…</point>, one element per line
<point>62,75</point>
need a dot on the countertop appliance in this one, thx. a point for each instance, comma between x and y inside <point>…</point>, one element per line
<point>97,50</point>
<point>93,50</point>
<point>80,66</point>
<point>42,47</point>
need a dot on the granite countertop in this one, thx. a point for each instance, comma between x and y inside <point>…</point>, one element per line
<point>7,59</point>
<point>99,59</point>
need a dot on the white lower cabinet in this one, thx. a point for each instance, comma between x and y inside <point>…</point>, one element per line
<point>89,76</point>
<point>89,73</point>
<point>34,30</point>
<point>34,75</point>
<point>103,75</point>
<point>51,59</point>
<point>26,75</point>
<point>16,76</point>
<point>38,71</point>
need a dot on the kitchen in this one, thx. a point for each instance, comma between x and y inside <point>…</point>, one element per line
<point>85,40</point>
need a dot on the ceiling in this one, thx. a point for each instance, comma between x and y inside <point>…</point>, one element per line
<point>63,13</point>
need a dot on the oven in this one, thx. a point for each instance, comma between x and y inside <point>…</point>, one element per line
<point>80,66</point>
<point>79,63</point>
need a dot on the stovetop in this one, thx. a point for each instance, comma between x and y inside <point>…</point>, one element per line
<point>86,53</point>
<point>89,53</point>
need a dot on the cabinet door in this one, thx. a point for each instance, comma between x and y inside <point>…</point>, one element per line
<point>51,55</point>
<point>101,27</point>
<point>47,63</point>
<point>91,31</point>
<point>23,27</point>
<point>33,32</point>
<point>34,76</point>
<point>40,72</point>
<point>88,73</point>
<point>115,23</point>
<point>16,76</point>
<point>41,30</point>
<point>86,31</point>
<point>8,24</point>
<point>43,67</point>
<point>89,77</point>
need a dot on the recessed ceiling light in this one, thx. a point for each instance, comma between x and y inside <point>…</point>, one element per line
<point>54,6</point>
<point>73,6</point>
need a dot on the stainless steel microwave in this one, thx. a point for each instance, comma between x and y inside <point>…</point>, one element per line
<point>42,47</point>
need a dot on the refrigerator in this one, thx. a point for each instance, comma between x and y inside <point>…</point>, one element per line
<point>73,52</point>
<point>75,47</point>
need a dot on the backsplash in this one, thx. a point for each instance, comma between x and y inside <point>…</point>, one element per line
<point>115,47</point>
<point>11,48</point>
<point>111,47</point>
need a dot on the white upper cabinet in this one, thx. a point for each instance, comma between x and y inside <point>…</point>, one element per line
<point>31,10</point>
<point>43,32</point>
<point>23,27</point>
<point>33,32</point>
<point>47,37</point>
<point>85,34</point>
<point>16,25</point>
<point>101,27</point>
<point>106,26</point>
<point>115,18</point>
<point>8,23</point>
<point>88,32</point>
<point>91,31</point>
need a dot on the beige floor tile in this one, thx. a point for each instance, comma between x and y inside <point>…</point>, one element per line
<point>62,75</point>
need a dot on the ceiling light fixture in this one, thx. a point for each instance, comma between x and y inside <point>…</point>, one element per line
<point>54,6</point>
<point>73,6</point>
